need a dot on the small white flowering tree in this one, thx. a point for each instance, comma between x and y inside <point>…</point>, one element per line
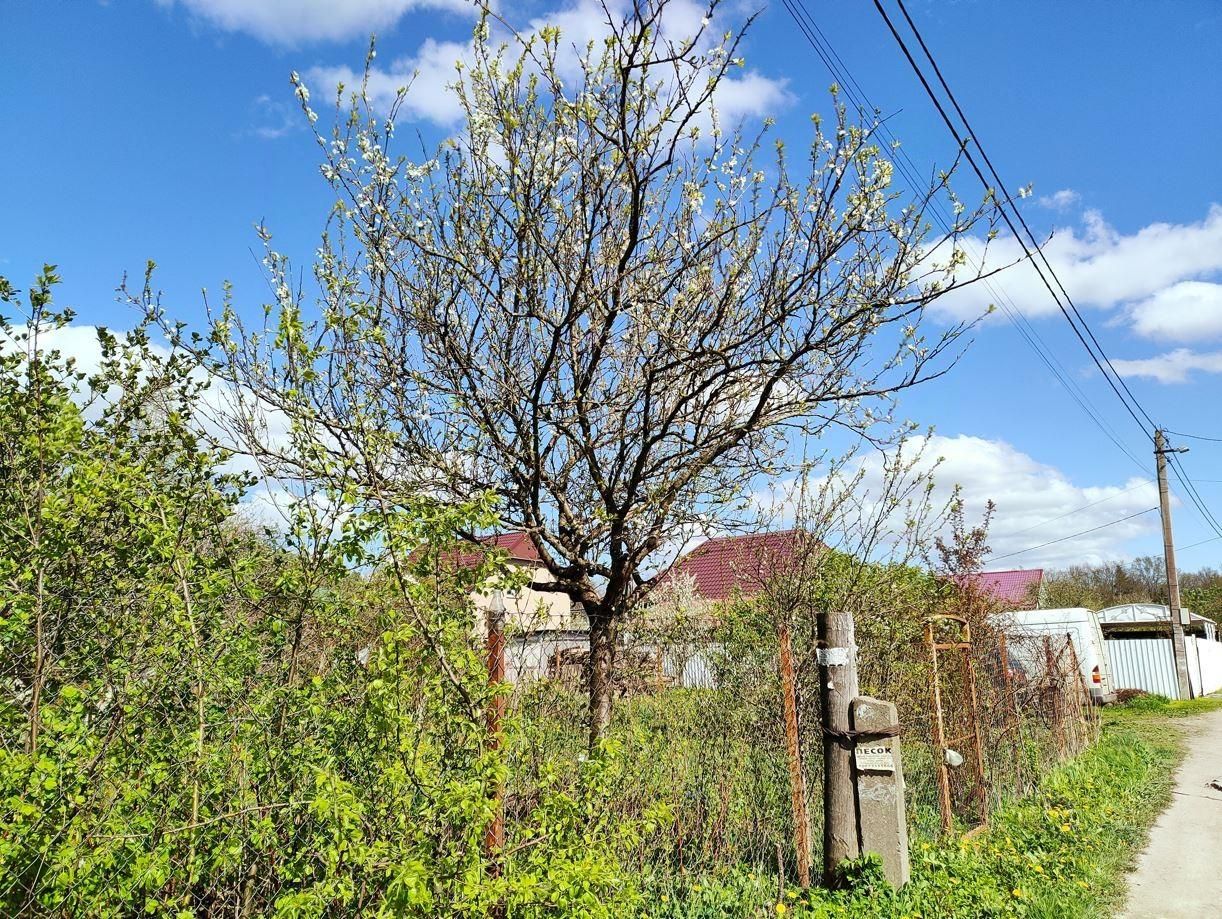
<point>599,302</point>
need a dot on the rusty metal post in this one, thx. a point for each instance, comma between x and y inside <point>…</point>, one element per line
<point>938,731</point>
<point>797,777</point>
<point>1052,681</point>
<point>1010,707</point>
<point>974,712</point>
<point>494,837</point>
<point>1086,705</point>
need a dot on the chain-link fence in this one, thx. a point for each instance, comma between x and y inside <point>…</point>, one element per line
<point>701,728</point>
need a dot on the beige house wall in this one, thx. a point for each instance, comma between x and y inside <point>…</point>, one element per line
<point>527,609</point>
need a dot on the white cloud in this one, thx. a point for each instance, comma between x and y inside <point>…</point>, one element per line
<point>1060,200</point>
<point>430,73</point>
<point>1037,504</point>
<point>275,119</point>
<point>1172,367</point>
<point>293,22</point>
<point>79,342</point>
<point>1032,499</point>
<point>1189,311</point>
<point>1099,266</point>
<point>431,70</point>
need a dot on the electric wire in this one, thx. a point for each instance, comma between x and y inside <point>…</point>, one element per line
<point>1053,542</point>
<point>1009,221</point>
<point>1194,496</point>
<point>1018,213</point>
<point>1201,543</point>
<point>1082,330</point>
<point>845,78</point>
<point>1216,440</point>
<point>1098,355</point>
<point>1070,513</point>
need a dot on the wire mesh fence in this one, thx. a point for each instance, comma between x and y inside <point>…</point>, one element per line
<point>216,760</point>
<point>701,724</point>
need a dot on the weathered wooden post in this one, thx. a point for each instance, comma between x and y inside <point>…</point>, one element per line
<point>837,658</point>
<point>881,817</point>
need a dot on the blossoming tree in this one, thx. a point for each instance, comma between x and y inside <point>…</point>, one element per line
<point>599,301</point>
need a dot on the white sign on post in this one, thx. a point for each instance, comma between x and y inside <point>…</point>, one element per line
<point>874,758</point>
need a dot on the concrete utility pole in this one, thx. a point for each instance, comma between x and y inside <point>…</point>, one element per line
<point>1178,646</point>
<point>837,657</point>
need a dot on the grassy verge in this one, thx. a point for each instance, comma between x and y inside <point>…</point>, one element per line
<point>1062,851</point>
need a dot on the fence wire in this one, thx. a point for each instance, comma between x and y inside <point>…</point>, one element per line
<point>701,724</point>
<point>213,785</point>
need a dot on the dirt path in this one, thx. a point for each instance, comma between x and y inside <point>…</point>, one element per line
<point>1178,874</point>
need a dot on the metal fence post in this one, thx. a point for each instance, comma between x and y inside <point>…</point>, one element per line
<point>1010,706</point>
<point>797,777</point>
<point>974,712</point>
<point>939,737</point>
<point>494,837</point>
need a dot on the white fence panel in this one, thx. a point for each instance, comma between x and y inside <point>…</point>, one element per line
<point>692,670</point>
<point>1143,663</point>
<point>1208,656</point>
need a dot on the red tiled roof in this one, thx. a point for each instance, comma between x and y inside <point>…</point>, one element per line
<point>736,565</point>
<point>1011,587</point>
<point>518,546</point>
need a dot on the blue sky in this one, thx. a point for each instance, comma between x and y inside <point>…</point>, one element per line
<point>165,129</point>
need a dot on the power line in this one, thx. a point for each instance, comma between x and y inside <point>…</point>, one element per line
<point>1018,213</point>
<point>844,77</point>
<point>1216,440</point>
<point>1077,322</point>
<point>1070,513</point>
<point>1177,469</point>
<point>1005,214</point>
<point>1102,526</point>
<point>1201,543</point>
<point>1121,389</point>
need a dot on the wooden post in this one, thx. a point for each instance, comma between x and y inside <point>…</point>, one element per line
<point>793,751</point>
<point>837,658</point>
<point>494,837</point>
<point>1053,682</point>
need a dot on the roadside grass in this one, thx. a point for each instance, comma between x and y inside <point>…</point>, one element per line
<point>1153,705</point>
<point>1061,852</point>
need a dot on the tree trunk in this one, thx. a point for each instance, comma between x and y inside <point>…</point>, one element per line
<point>604,634</point>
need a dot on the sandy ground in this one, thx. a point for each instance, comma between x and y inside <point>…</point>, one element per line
<point>1180,872</point>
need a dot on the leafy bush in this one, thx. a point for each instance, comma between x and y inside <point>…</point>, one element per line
<point>197,718</point>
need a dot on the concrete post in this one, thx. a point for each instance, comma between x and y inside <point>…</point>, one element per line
<point>881,819</point>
